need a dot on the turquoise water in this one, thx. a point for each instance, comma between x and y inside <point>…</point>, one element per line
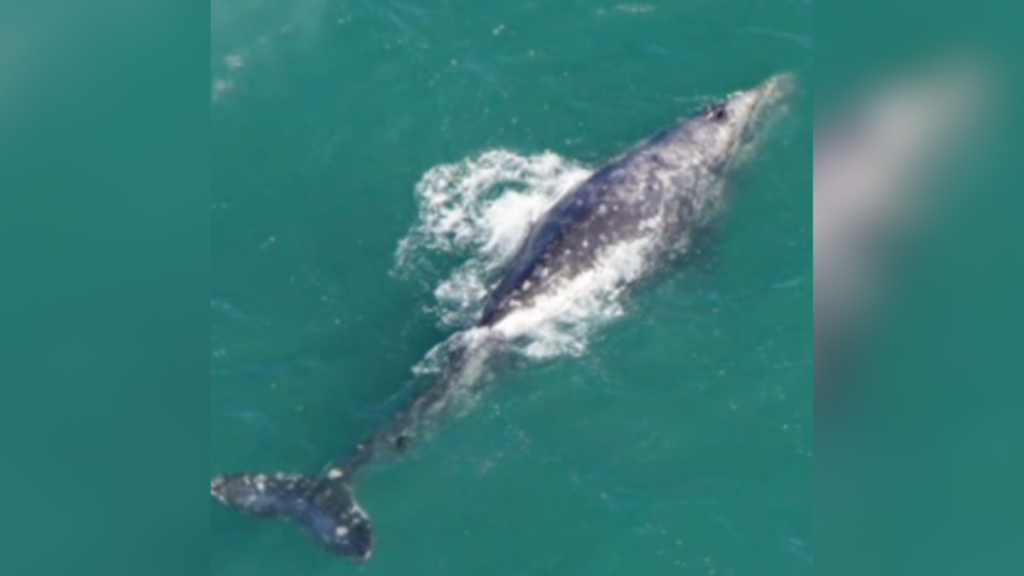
<point>677,441</point>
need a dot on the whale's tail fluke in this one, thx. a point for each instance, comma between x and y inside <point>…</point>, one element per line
<point>323,506</point>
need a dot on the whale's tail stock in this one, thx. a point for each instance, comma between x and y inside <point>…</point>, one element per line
<point>323,506</point>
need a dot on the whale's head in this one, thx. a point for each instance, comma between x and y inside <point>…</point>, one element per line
<point>727,131</point>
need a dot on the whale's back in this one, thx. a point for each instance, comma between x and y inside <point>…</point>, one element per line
<point>650,191</point>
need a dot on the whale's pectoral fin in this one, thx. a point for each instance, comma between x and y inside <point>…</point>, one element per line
<point>324,507</point>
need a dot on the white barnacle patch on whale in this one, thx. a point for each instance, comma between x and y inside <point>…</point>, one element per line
<point>335,474</point>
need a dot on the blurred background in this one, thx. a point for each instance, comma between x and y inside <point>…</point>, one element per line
<point>918,276</point>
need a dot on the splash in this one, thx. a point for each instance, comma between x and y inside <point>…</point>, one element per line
<point>479,211</point>
<point>476,213</point>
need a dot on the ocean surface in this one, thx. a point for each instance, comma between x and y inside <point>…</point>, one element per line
<point>372,160</point>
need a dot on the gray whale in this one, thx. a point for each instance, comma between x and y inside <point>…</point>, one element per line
<point>644,204</point>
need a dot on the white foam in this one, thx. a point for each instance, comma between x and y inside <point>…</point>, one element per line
<point>480,210</point>
<point>487,202</point>
<point>635,8</point>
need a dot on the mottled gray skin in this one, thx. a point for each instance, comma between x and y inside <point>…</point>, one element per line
<point>661,189</point>
<point>666,186</point>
